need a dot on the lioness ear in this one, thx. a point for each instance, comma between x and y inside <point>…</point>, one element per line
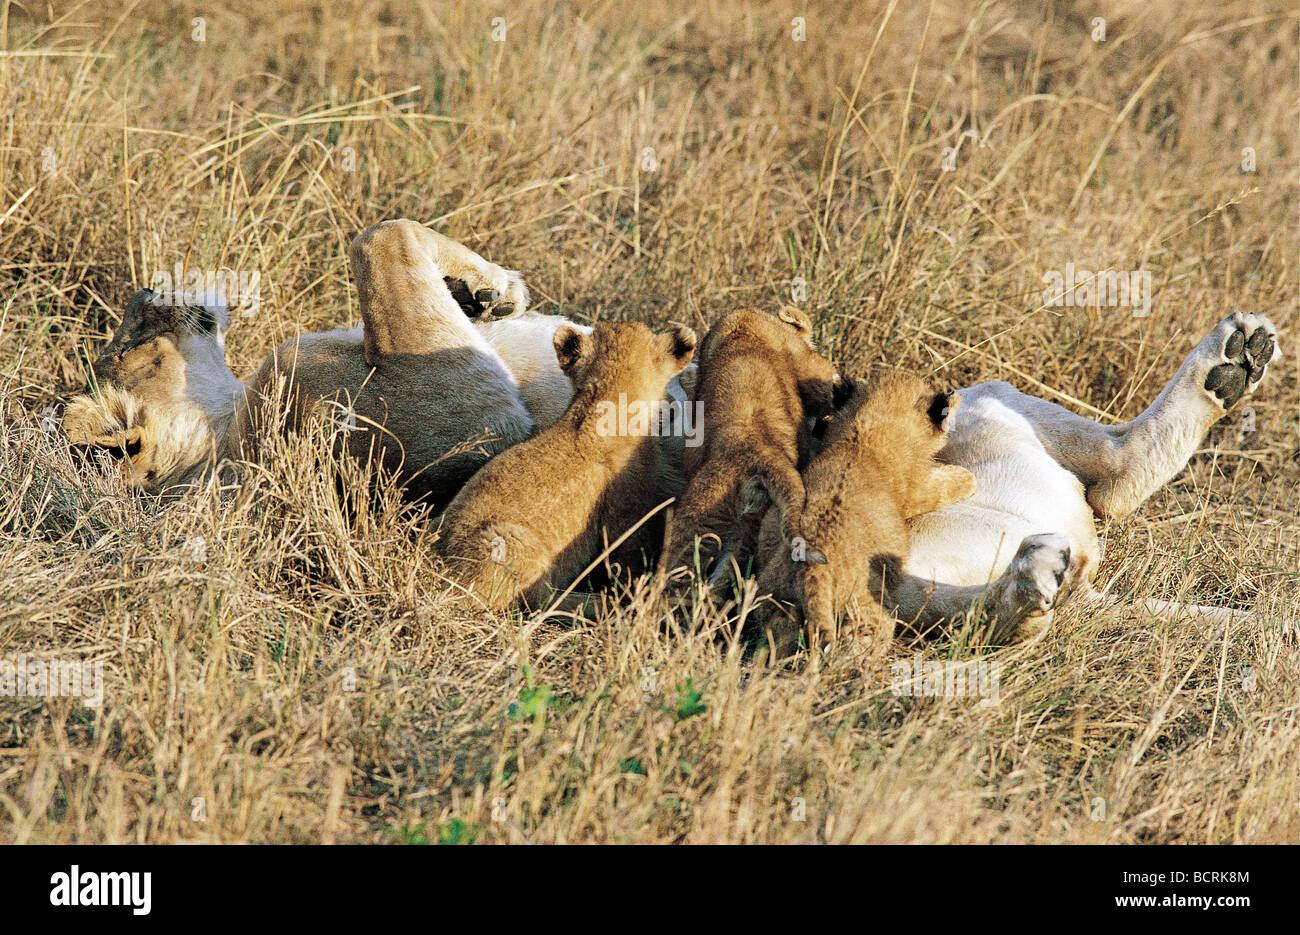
<point>796,319</point>
<point>681,343</point>
<point>136,305</point>
<point>571,346</point>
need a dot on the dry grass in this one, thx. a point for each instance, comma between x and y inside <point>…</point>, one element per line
<point>229,626</point>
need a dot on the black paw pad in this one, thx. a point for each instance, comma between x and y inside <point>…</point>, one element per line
<point>464,298</point>
<point>1236,341</point>
<point>1248,357</point>
<point>1259,351</point>
<point>485,303</point>
<point>1227,382</point>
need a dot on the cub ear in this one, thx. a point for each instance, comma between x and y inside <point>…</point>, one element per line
<point>842,389</point>
<point>939,406</point>
<point>681,343</point>
<point>817,397</point>
<point>571,347</point>
<point>796,319</point>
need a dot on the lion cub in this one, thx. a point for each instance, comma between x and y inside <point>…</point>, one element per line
<point>760,382</point>
<point>876,470</point>
<point>538,514</point>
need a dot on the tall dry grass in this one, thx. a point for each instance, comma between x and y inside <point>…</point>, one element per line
<point>281,669</point>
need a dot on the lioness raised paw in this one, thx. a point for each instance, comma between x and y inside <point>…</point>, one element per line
<point>1237,352</point>
<point>487,304</point>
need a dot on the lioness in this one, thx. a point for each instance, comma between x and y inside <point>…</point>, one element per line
<point>1027,535</point>
<point>414,383</point>
<point>172,408</point>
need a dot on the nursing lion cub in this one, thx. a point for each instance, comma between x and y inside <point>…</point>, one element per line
<point>760,383</point>
<point>876,470</point>
<point>537,515</point>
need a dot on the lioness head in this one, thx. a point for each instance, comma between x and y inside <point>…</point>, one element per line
<point>155,391</point>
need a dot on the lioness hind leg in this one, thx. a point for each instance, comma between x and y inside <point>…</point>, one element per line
<point>1228,363</point>
<point>1122,465</point>
<point>487,304</point>
<point>496,291</point>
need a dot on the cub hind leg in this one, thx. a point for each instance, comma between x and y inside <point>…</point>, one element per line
<point>780,485</point>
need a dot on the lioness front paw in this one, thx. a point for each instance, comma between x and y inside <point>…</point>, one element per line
<point>1035,575</point>
<point>1238,352</point>
<point>487,303</point>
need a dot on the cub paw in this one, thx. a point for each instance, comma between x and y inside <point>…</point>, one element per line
<point>1239,351</point>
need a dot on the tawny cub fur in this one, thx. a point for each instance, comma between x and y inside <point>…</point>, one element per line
<point>538,514</point>
<point>760,381</point>
<point>876,470</point>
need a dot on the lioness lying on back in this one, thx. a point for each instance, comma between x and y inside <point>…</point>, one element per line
<point>415,381</point>
<point>1027,535</point>
<point>171,409</point>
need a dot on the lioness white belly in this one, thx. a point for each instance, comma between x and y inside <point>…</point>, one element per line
<point>1022,491</point>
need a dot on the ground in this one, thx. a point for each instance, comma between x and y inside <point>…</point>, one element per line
<point>280,668</point>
